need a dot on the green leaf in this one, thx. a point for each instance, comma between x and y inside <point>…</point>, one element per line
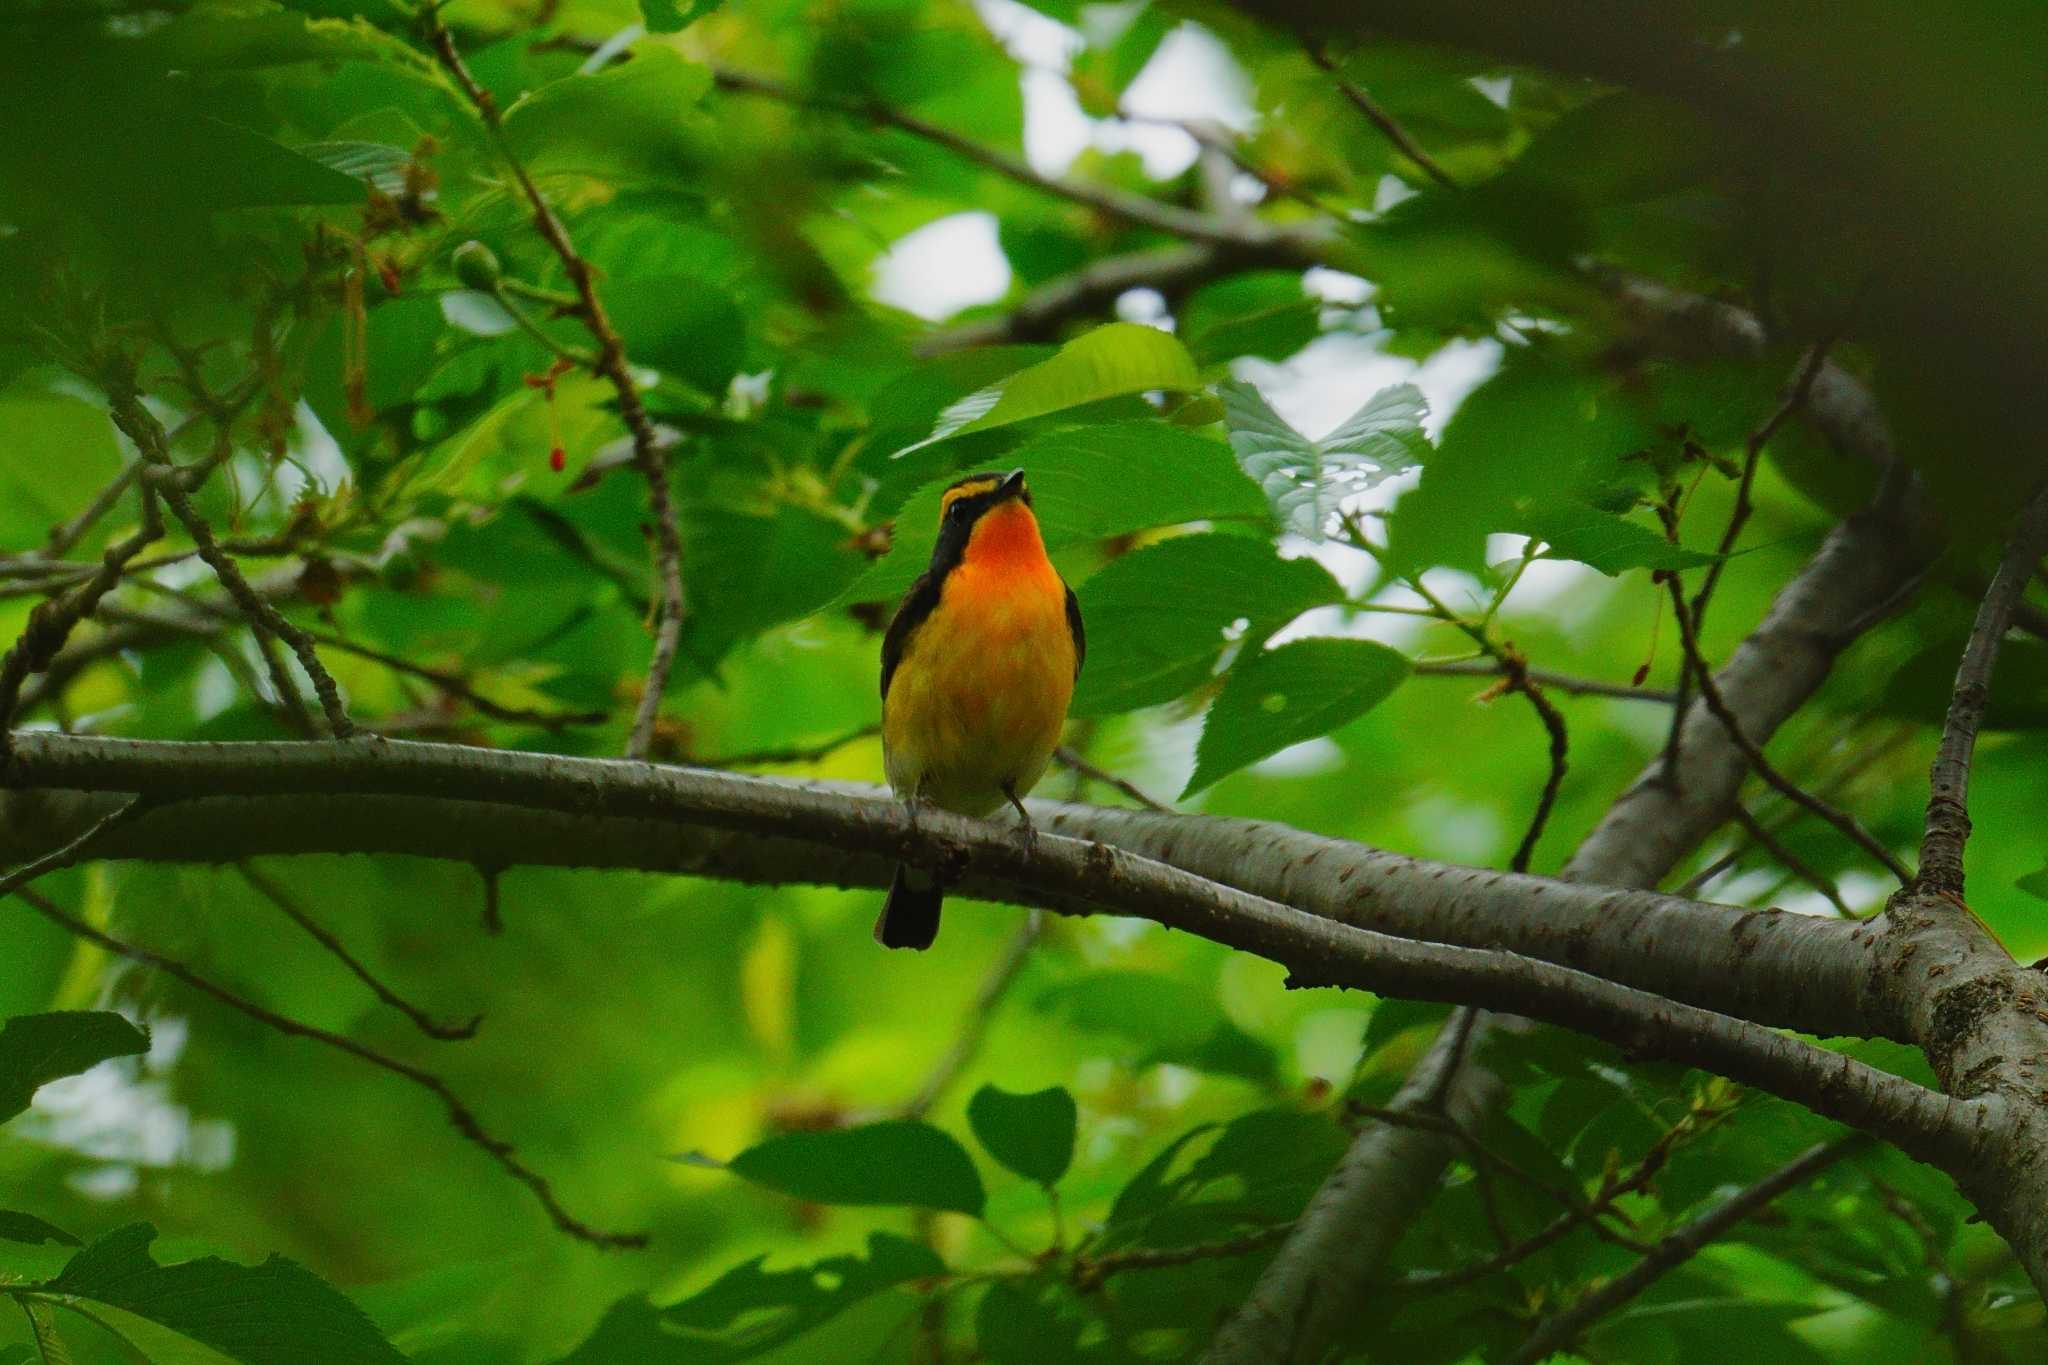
<point>1305,479</point>
<point>751,1310</point>
<point>681,326</point>
<point>669,16</point>
<point>1113,361</point>
<point>1290,694</point>
<point>1608,541</point>
<point>1265,313</point>
<point>36,1049</point>
<point>1031,1134</point>
<point>376,164</point>
<point>1087,484</point>
<point>1015,1326</point>
<point>1140,653</point>
<point>268,1314</point>
<point>31,1230</point>
<point>895,1162</point>
<point>16,1354</point>
<point>627,120</point>
<point>1169,1020</point>
<point>2035,883</point>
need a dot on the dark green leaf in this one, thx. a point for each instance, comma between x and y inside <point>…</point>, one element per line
<point>2035,883</point>
<point>1140,653</point>
<point>629,120</point>
<point>1304,479</point>
<point>1114,360</point>
<point>893,1162</point>
<point>680,325</point>
<point>1283,696</point>
<point>1608,541</point>
<point>16,1354</point>
<point>1031,1134</point>
<point>38,1048</point>
<point>268,1314</point>
<point>1171,1021</point>
<point>751,1310</point>
<point>26,1227</point>
<point>1015,1326</point>
<point>1087,484</point>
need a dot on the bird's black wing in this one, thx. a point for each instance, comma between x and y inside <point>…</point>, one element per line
<point>918,603</point>
<point>1074,626</point>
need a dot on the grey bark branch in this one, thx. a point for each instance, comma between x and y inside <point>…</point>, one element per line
<point>1388,1176</point>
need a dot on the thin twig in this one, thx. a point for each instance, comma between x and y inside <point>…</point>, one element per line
<point>1948,800</point>
<point>1752,455</point>
<point>164,475</point>
<point>1566,683</point>
<point>797,754</point>
<point>1390,127</point>
<point>1717,706</point>
<point>1139,210</point>
<point>68,534</point>
<point>1560,1331</point>
<point>1090,1273</point>
<point>275,893</point>
<point>1774,846</point>
<point>611,364</point>
<point>980,1014</point>
<point>460,1115</point>
<point>51,622</point>
<point>1075,763</point>
<point>70,853</point>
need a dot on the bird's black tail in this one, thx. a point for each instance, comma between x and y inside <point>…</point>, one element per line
<point>910,917</point>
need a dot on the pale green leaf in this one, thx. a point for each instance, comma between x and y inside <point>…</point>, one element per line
<point>1305,480</point>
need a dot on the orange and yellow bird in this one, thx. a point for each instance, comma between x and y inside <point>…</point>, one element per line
<point>977,669</point>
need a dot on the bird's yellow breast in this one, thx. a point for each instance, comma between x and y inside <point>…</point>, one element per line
<point>980,695</point>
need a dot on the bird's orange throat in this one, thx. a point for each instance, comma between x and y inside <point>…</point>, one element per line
<point>1006,542</point>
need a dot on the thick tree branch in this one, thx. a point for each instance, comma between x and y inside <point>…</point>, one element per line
<point>505,808</point>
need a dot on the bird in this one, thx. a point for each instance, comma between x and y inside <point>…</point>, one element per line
<point>978,667</point>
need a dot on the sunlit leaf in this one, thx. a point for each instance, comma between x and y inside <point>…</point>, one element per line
<point>1113,361</point>
<point>1305,480</point>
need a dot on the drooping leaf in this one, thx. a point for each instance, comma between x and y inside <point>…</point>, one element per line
<point>627,121</point>
<point>894,1162</point>
<point>1606,540</point>
<point>751,1310</point>
<point>16,1226</point>
<point>38,1048</point>
<point>1301,690</point>
<point>1088,484</point>
<point>1113,361</point>
<point>1141,652</point>
<point>268,1314</point>
<point>376,164</point>
<point>1304,479</point>
<point>680,325</point>
<point>1031,1134</point>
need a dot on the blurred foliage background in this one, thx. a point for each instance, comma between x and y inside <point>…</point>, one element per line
<point>1146,248</point>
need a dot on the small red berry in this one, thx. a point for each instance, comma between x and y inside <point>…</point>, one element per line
<point>558,459</point>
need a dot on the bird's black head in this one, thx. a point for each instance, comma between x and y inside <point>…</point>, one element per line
<point>965,503</point>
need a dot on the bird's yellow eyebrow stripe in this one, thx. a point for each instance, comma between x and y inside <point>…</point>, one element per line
<point>966,490</point>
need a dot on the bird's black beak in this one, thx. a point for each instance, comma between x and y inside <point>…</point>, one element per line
<point>1013,486</point>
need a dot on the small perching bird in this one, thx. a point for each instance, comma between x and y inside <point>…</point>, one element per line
<point>977,669</point>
